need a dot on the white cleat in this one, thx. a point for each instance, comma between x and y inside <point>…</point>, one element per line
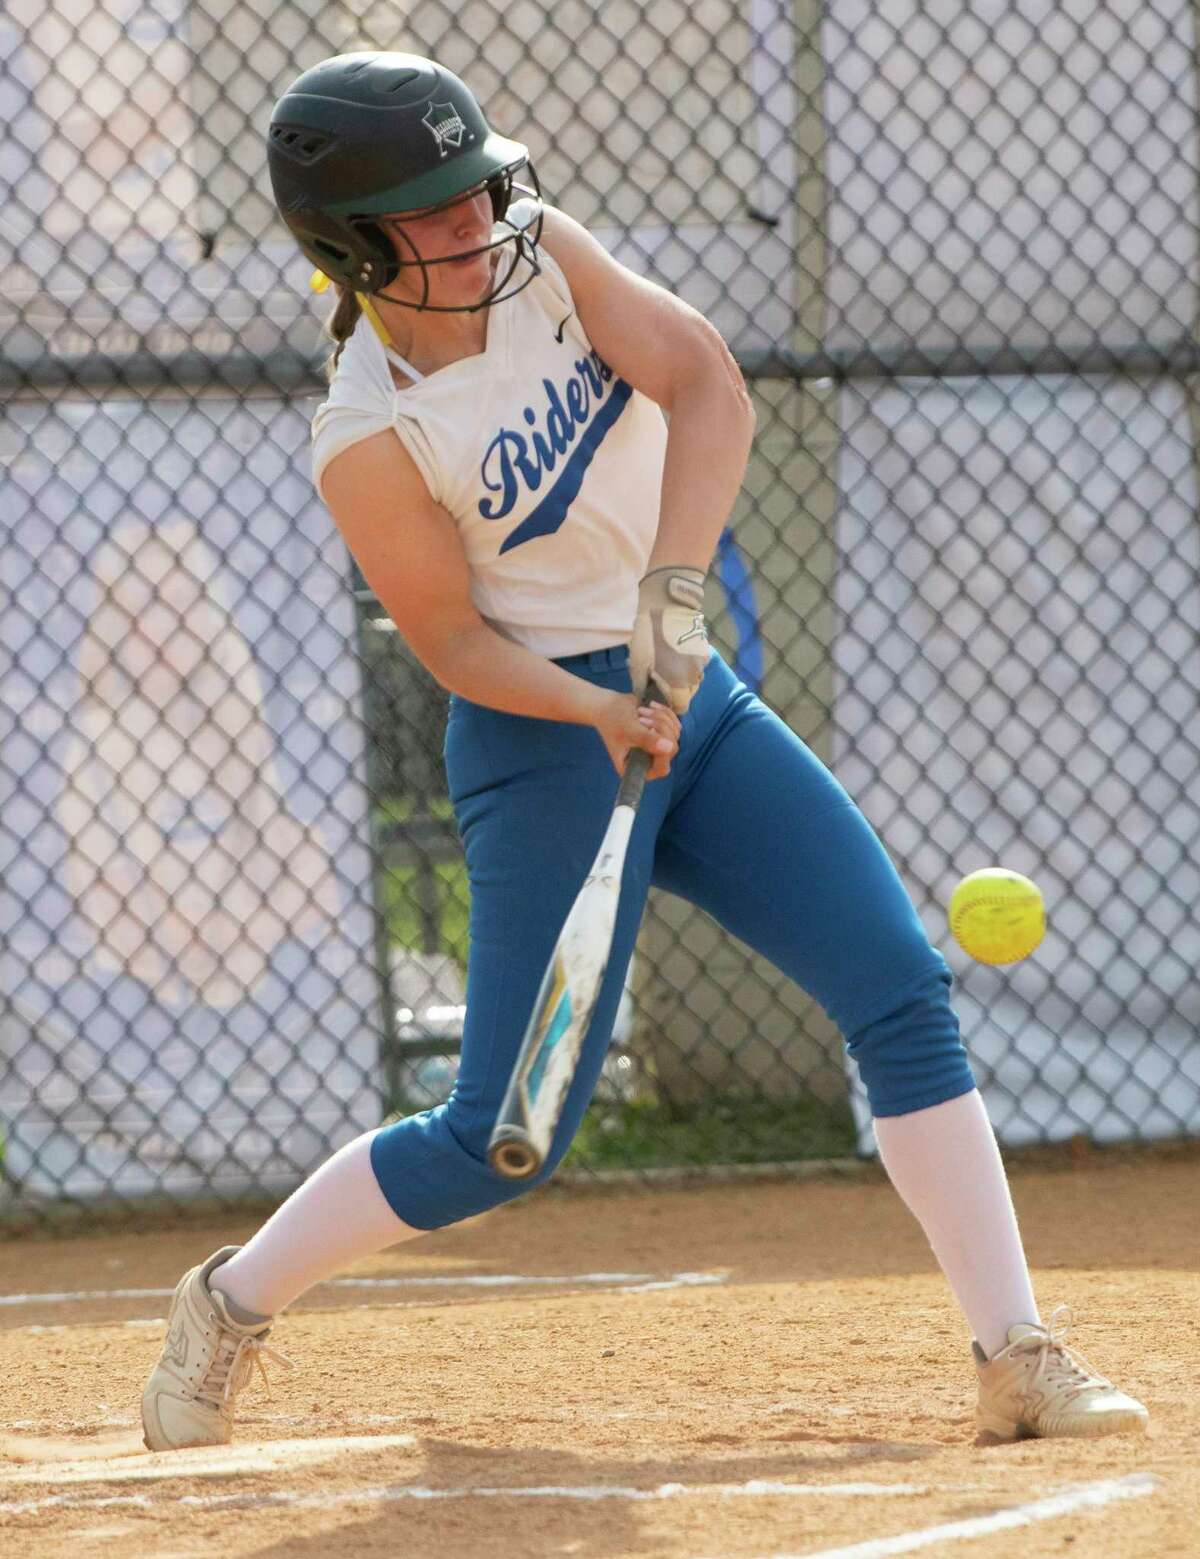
<point>1037,1386</point>
<point>206,1360</point>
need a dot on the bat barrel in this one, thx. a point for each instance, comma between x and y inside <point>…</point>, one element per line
<point>512,1154</point>
<point>545,1064</point>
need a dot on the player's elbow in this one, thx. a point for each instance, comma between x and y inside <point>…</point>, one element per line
<point>710,372</point>
<point>735,383</point>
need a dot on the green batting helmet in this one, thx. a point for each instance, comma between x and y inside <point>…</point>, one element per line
<point>361,135</point>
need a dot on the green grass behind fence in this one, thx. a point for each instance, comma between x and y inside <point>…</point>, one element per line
<point>401,889</point>
<point>642,1135</point>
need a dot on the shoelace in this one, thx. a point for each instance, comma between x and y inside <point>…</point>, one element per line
<point>1065,1369</point>
<point>232,1365</point>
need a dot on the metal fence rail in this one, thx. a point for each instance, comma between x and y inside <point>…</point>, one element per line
<point>955,254</point>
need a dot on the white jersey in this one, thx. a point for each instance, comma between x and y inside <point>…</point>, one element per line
<point>549,463</point>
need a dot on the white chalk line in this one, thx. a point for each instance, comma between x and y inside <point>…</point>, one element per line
<point>135,1465</point>
<point>1064,1503</point>
<point>284,1456</point>
<point>394,1493</point>
<point>616,1282</point>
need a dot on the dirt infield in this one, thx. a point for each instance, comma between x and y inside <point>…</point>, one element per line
<point>724,1373</point>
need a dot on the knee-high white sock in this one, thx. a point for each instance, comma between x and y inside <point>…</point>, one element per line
<point>337,1215</point>
<point>945,1164</point>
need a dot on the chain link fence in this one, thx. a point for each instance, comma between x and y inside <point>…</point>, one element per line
<point>954,248</point>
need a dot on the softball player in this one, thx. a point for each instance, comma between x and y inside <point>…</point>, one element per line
<point>494,450</point>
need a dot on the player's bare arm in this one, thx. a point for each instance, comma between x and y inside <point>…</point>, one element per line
<point>666,349</point>
<point>376,496</point>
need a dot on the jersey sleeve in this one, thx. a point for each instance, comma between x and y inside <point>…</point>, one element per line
<point>554,292</point>
<point>335,428</point>
<point>361,402</point>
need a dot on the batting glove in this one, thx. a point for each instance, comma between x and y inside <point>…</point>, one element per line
<point>669,646</point>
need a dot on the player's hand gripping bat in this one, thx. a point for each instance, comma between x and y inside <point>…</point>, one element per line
<point>550,1049</point>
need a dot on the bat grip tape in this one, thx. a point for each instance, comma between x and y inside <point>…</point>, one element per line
<point>637,765</point>
<point>633,781</point>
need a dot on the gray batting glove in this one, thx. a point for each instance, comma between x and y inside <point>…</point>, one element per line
<point>669,646</point>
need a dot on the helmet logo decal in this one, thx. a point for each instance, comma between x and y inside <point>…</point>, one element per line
<point>443,123</point>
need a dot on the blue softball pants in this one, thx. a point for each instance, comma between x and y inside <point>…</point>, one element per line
<point>750,826</point>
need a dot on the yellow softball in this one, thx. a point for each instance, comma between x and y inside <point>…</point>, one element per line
<point>997,915</point>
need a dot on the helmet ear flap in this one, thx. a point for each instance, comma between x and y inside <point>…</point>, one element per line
<point>353,251</point>
<point>378,266</point>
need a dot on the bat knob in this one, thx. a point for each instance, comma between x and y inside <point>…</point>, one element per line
<point>512,1155</point>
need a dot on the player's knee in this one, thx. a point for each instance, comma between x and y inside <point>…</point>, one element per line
<point>911,1056</point>
<point>433,1170</point>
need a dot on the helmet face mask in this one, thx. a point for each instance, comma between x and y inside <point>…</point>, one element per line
<point>367,136</point>
<point>516,222</point>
